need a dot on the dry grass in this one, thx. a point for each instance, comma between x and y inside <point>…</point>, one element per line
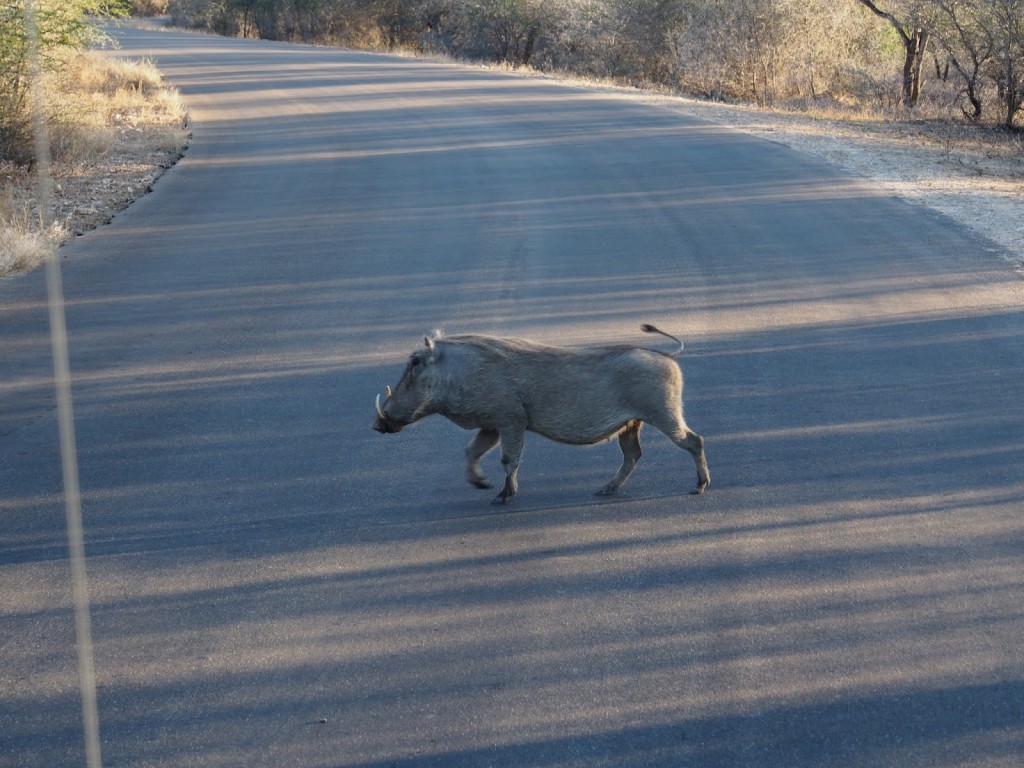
<point>24,245</point>
<point>98,98</point>
<point>113,127</point>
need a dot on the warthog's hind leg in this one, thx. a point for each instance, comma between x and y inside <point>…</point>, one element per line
<point>629,442</point>
<point>511,450</point>
<point>482,442</point>
<point>693,444</point>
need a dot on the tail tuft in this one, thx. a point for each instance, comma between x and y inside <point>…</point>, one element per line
<point>648,328</point>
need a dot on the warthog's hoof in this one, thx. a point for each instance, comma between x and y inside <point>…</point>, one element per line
<point>609,490</point>
<point>481,483</point>
<point>699,490</point>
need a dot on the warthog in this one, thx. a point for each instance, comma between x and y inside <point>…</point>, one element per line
<point>505,387</point>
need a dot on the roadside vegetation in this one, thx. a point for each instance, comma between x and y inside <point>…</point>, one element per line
<point>109,124</point>
<point>949,71</point>
<point>948,58</point>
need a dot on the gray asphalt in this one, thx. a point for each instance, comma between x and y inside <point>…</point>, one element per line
<point>275,584</point>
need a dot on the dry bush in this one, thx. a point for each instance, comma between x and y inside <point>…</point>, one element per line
<point>149,7</point>
<point>99,112</point>
<point>23,249</point>
<point>23,246</point>
<point>97,98</point>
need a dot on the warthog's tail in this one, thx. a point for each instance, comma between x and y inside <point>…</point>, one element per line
<point>648,328</point>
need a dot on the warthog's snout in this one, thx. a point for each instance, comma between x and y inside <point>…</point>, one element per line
<point>382,423</point>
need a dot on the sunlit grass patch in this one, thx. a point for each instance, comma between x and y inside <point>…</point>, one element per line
<point>23,244</point>
<point>112,126</point>
<point>99,101</point>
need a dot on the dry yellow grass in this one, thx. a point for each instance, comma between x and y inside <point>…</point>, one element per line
<point>113,127</point>
<point>23,244</point>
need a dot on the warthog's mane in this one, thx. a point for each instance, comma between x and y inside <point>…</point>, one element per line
<point>510,346</point>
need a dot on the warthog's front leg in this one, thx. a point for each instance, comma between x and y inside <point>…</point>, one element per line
<point>482,442</point>
<point>629,442</point>
<point>511,449</point>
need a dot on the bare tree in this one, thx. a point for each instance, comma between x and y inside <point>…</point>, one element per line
<point>771,50</point>
<point>1008,30</point>
<point>967,47</point>
<point>984,43</point>
<point>503,30</point>
<point>643,49</point>
<point>915,43</point>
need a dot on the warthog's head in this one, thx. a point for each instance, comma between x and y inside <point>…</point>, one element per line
<point>410,399</point>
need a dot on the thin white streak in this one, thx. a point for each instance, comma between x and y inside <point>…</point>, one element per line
<point>65,413</point>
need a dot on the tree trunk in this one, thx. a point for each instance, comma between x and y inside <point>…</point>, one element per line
<point>915,45</point>
<point>1013,94</point>
<point>915,42</point>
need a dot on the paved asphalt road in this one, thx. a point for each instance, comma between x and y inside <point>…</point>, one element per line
<point>274,584</point>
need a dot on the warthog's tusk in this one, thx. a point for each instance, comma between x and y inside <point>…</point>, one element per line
<point>380,413</point>
<point>387,389</point>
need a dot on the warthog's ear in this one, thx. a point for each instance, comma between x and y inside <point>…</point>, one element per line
<point>428,343</point>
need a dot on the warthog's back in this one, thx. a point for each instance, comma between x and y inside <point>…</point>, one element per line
<point>573,395</point>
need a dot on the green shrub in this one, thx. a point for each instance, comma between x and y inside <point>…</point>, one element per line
<point>61,25</point>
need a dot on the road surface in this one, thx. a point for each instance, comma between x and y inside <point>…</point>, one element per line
<point>273,583</point>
